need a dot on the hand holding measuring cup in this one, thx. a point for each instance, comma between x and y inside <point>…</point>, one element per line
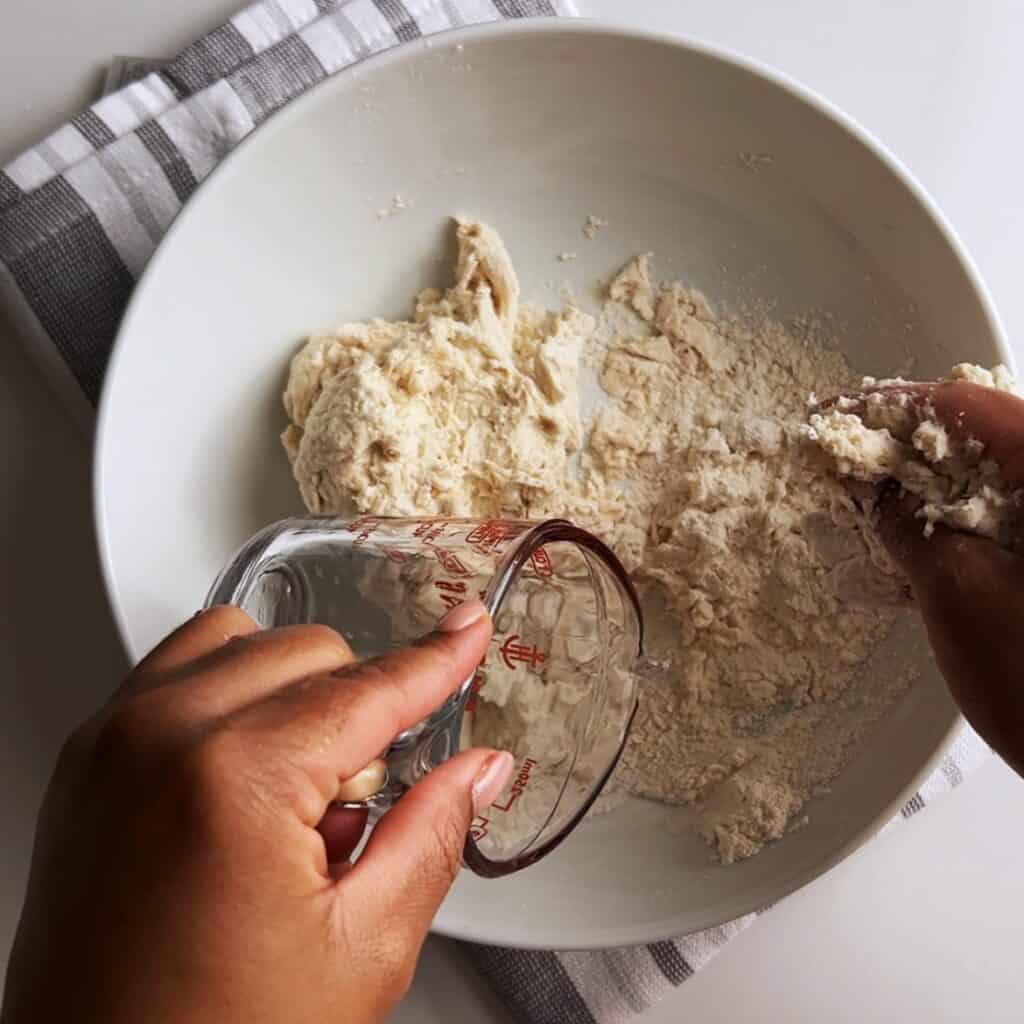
<point>179,873</point>
<point>187,859</point>
<point>556,686</point>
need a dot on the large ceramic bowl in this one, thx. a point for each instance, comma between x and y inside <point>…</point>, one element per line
<point>740,181</point>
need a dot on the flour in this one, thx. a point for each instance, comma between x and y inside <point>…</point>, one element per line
<point>693,470</point>
<point>749,703</point>
<point>883,432</point>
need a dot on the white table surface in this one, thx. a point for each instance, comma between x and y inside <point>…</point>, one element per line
<point>923,924</point>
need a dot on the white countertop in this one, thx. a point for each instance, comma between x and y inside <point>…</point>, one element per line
<point>922,924</point>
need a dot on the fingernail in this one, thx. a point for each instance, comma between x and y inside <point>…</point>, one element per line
<point>491,779</point>
<point>462,616</point>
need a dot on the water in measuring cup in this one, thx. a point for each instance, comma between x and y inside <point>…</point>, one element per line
<point>555,687</point>
<point>332,585</point>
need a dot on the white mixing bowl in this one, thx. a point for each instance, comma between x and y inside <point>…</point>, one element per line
<point>739,181</point>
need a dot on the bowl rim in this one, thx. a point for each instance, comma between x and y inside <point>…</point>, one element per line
<point>403,53</point>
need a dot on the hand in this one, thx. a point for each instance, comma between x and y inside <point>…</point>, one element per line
<point>969,589</point>
<point>183,862</point>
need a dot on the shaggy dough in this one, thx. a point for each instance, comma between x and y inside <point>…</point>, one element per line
<point>881,434</point>
<point>692,469</point>
<point>468,409</point>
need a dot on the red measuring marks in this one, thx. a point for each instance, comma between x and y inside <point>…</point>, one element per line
<point>480,824</point>
<point>514,653</point>
<point>390,553</point>
<point>364,527</point>
<point>451,592</point>
<point>540,562</point>
<point>490,536</point>
<point>451,562</point>
<point>429,530</point>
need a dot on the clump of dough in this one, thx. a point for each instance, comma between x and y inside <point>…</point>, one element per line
<point>467,409</point>
<point>886,432</point>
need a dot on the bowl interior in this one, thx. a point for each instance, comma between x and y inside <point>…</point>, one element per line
<point>736,182</point>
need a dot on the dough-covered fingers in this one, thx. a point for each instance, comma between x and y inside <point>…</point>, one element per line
<point>995,418</point>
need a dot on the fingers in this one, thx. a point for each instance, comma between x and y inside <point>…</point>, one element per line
<point>929,561</point>
<point>213,666</point>
<point>202,634</point>
<point>332,726</point>
<point>415,851</point>
<point>250,667</point>
<point>974,412</point>
<point>902,532</point>
<point>970,593</point>
<point>996,418</point>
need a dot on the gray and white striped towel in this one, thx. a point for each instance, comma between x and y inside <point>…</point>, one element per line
<point>80,215</point>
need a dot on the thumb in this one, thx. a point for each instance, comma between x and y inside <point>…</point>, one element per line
<point>414,853</point>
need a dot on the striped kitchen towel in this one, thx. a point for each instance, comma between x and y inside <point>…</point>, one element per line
<point>82,211</point>
<point>80,215</point>
<point>612,986</point>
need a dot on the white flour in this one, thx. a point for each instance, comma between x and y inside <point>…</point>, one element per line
<point>692,470</point>
<point>750,703</point>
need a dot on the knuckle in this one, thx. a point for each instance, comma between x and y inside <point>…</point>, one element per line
<point>230,620</point>
<point>383,684</point>
<point>372,673</point>
<point>238,643</point>
<point>370,677</point>
<point>325,638</point>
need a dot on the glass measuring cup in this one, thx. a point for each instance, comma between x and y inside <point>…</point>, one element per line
<point>556,687</point>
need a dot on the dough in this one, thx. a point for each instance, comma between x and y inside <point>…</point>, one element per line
<point>880,434</point>
<point>467,409</point>
<point>693,469</point>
